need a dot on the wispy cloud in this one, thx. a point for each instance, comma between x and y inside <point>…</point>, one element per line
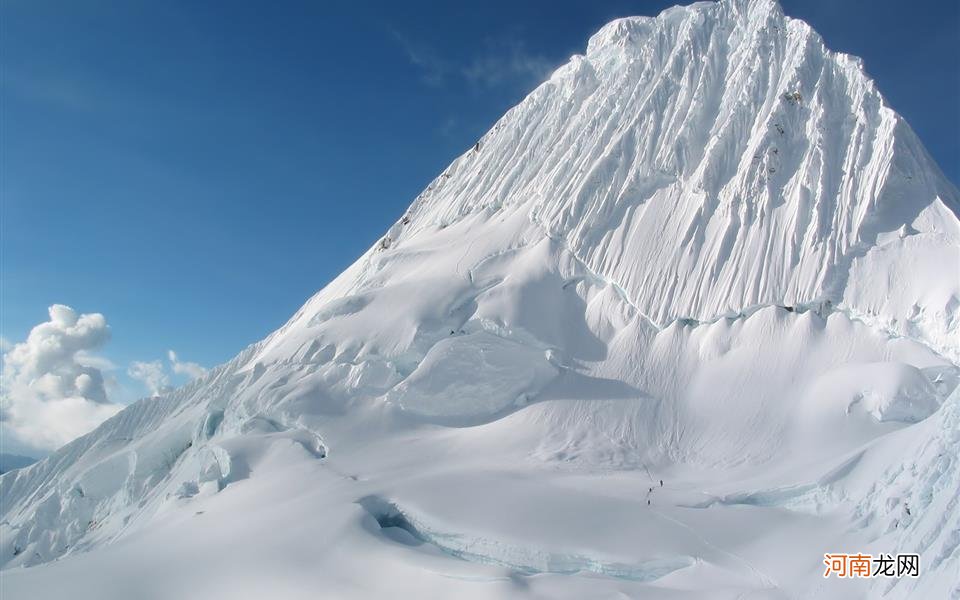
<point>448,126</point>
<point>507,61</point>
<point>501,62</point>
<point>434,68</point>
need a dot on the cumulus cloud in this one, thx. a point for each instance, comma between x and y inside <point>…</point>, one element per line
<point>151,374</point>
<point>89,359</point>
<point>52,388</point>
<point>191,369</point>
<point>156,376</point>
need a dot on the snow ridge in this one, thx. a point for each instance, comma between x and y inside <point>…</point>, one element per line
<point>725,145</point>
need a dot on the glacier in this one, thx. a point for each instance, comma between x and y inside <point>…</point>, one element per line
<point>684,320</point>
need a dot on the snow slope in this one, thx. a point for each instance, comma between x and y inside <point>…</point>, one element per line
<point>705,252</point>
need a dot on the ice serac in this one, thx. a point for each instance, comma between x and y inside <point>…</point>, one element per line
<point>706,251</point>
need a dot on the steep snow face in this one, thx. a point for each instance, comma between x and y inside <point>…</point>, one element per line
<point>708,161</point>
<point>914,504</point>
<point>705,253</point>
<point>718,157</point>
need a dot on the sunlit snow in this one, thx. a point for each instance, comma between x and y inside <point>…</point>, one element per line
<point>683,321</point>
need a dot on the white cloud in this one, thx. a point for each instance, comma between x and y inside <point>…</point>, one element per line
<point>152,374</point>
<point>89,359</point>
<point>190,369</point>
<point>155,376</point>
<point>507,61</point>
<point>52,389</point>
<point>502,61</point>
<point>434,67</point>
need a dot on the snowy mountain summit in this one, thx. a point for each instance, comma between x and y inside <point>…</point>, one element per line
<point>683,321</point>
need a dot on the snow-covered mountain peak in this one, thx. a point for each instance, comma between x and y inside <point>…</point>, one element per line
<point>748,16</point>
<point>627,32</point>
<point>707,160</point>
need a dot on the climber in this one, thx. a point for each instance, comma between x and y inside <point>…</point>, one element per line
<point>661,483</point>
<point>476,147</point>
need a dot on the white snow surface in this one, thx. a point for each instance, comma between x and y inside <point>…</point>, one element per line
<point>705,252</point>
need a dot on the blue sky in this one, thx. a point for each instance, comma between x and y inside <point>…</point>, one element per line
<point>195,171</point>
